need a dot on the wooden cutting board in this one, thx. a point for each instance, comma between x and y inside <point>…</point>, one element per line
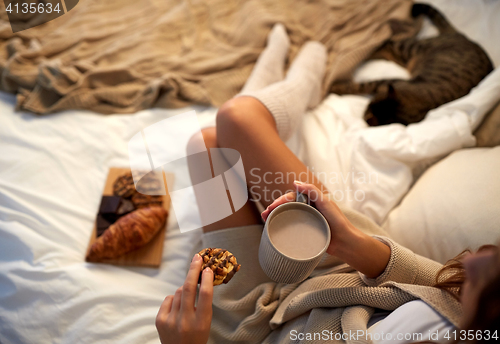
<point>149,255</point>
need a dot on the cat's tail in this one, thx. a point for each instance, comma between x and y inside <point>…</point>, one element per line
<point>434,15</point>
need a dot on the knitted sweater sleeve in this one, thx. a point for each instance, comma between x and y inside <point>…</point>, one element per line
<point>405,267</point>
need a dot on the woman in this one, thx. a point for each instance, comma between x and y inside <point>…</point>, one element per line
<point>364,277</point>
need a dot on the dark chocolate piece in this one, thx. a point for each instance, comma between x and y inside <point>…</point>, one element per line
<point>102,224</point>
<point>100,232</point>
<point>110,217</point>
<point>110,210</point>
<point>125,207</point>
<point>109,204</point>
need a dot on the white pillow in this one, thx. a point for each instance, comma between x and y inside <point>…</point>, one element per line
<point>453,206</point>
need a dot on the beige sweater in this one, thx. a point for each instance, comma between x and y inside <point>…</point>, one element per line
<point>121,56</point>
<point>254,309</point>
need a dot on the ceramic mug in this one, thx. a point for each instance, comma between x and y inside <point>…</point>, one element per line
<point>290,265</point>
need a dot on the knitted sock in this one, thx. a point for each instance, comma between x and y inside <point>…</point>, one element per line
<point>271,62</point>
<point>289,99</point>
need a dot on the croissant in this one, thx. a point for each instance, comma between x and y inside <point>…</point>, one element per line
<point>128,233</point>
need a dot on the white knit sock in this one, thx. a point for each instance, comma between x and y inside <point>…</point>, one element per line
<point>289,99</point>
<point>271,62</point>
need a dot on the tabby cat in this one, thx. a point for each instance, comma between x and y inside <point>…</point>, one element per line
<point>442,69</point>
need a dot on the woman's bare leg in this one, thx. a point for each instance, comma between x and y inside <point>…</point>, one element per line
<point>256,123</point>
<point>246,215</point>
<point>245,124</point>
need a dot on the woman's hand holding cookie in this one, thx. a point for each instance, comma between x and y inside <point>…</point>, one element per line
<point>178,320</point>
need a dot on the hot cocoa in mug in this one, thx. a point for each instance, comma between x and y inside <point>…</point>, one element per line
<point>295,237</point>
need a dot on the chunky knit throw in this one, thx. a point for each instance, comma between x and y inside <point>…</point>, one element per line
<point>336,299</point>
<point>121,56</point>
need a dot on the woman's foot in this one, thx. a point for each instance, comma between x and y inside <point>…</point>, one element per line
<point>270,65</point>
<point>289,99</point>
<point>309,67</point>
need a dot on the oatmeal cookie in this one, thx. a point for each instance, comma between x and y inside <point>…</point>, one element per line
<point>124,186</point>
<point>151,184</point>
<point>144,201</point>
<point>222,263</point>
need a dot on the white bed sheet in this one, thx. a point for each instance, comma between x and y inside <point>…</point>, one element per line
<point>53,168</point>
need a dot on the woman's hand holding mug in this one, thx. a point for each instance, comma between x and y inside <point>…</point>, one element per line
<point>361,251</point>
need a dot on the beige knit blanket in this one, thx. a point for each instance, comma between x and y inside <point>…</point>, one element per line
<point>336,299</point>
<point>121,56</point>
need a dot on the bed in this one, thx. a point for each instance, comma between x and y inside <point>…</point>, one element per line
<point>53,169</point>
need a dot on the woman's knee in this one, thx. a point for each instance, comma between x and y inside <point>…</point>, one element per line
<point>236,115</point>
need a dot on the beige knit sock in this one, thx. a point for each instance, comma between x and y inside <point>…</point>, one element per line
<point>289,99</point>
<point>271,62</point>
